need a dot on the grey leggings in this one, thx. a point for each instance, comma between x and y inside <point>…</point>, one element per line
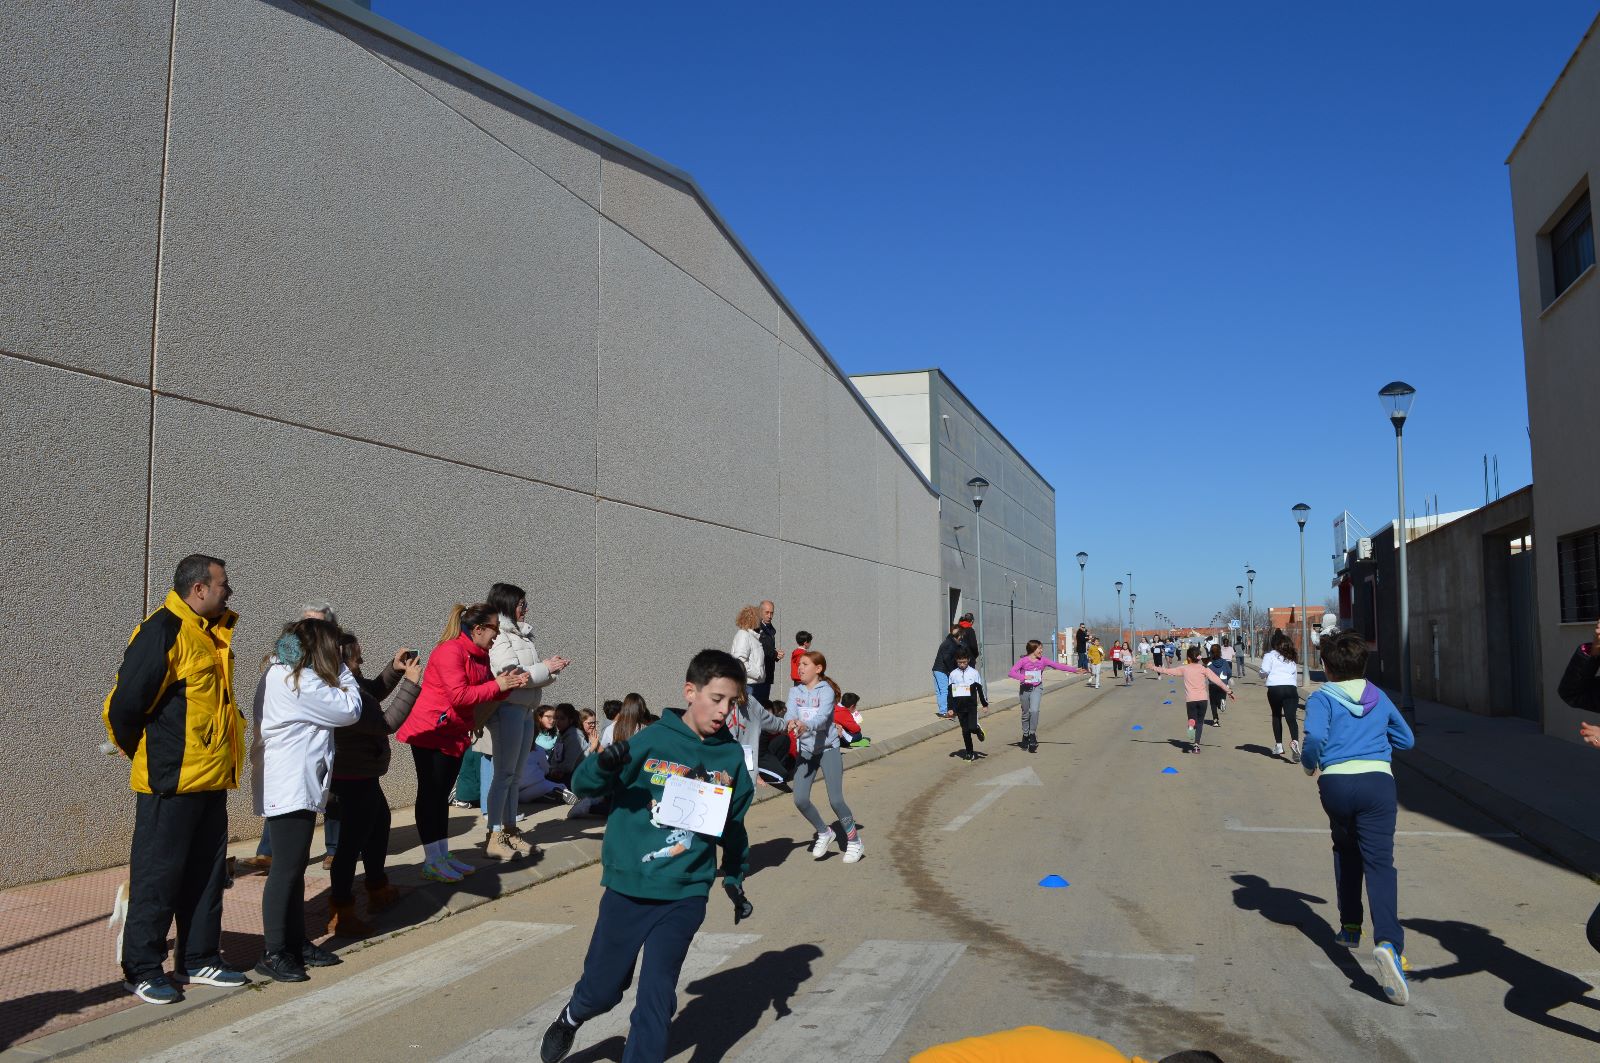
<point>1030,710</point>
<point>832,766</point>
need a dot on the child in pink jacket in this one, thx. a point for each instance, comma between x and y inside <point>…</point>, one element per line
<point>1029,674</point>
<point>1195,677</point>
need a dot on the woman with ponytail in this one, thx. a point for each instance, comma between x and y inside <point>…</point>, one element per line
<point>811,704</point>
<point>459,695</point>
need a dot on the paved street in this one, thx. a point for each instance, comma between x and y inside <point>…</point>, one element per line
<point>1198,915</point>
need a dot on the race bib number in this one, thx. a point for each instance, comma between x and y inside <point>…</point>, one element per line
<point>694,804</point>
<point>961,691</point>
<point>1034,678</point>
<point>750,761</point>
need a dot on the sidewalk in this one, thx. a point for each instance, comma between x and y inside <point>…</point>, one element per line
<point>58,967</point>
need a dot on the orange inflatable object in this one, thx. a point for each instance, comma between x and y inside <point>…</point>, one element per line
<point>1025,1044</point>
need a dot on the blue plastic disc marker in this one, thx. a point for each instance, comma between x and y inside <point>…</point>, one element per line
<point>1136,727</point>
<point>1169,771</point>
<point>1054,882</point>
<point>1167,702</point>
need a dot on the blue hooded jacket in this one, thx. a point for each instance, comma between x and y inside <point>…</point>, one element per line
<point>1339,729</point>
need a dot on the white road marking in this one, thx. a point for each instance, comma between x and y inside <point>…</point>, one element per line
<point>1002,785</point>
<point>1233,823</point>
<point>855,1013</point>
<point>299,1025</point>
<point>513,1043</point>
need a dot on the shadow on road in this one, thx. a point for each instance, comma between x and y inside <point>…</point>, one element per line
<point>729,1004</point>
<point>772,853</point>
<point>1251,747</point>
<point>1292,908</point>
<point>1535,988</point>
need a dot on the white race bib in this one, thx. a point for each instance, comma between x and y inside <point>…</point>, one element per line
<point>1034,678</point>
<point>695,805</point>
<point>961,691</point>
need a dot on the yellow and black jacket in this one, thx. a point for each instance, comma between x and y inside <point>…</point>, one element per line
<point>172,710</point>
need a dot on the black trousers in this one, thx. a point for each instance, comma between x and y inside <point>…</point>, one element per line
<point>436,779</point>
<point>176,871</point>
<point>364,835</point>
<point>283,901</point>
<point>1285,702</point>
<point>966,710</point>
<point>1216,697</point>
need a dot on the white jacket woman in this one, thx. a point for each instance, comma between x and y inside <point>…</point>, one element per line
<point>292,752</point>
<point>747,645</point>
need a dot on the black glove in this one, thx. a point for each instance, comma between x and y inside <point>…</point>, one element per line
<point>613,757</point>
<point>741,905</point>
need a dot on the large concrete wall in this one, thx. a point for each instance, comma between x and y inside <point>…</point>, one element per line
<point>282,287</point>
<point>1557,157</point>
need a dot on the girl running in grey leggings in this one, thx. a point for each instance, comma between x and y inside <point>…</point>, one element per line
<point>1029,674</point>
<point>811,705</point>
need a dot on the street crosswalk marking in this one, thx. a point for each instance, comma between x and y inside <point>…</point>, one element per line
<point>517,1042</point>
<point>855,1013</point>
<point>300,1024</point>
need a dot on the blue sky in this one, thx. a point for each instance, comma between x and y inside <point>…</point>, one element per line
<point>1171,250</point>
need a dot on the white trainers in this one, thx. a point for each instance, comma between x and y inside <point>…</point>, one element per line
<point>854,851</point>
<point>819,845</point>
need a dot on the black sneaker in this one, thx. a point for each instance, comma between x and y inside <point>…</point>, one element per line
<point>316,956</point>
<point>281,967</point>
<point>977,729</point>
<point>557,1039</point>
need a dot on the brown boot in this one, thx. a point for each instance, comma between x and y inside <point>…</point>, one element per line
<point>522,845</point>
<point>499,847</point>
<point>344,922</point>
<point>381,896</point>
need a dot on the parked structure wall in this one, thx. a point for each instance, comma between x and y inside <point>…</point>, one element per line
<point>1552,166</point>
<point>287,285</point>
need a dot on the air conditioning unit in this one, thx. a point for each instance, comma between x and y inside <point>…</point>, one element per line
<point>1364,549</point>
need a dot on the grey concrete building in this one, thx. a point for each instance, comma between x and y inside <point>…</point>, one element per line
<point>951,441</point>
<point>1553,168</point>
<point>288,285</point>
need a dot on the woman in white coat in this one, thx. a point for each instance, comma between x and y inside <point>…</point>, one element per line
<point>747,647</point>
<point>508,735</point>
<point>306,693</point>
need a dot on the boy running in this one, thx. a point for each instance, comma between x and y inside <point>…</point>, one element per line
<point>966,691</point>
<point>1351,732</point>
<point>656,876</point>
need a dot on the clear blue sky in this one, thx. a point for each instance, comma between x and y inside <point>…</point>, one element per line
<point>1149,241</point>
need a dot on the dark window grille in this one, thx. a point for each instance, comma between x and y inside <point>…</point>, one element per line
<point>1578,567</point>
<point>1572,245</point>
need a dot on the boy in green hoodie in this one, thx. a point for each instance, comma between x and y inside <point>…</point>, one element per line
<point>657,876</point>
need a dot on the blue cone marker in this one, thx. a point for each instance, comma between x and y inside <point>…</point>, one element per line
<point>1137,727</point>
<point>1054,882</point>
<point>1167,702</point>
<point>1169,771</point>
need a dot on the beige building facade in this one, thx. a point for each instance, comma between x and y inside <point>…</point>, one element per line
<point>1553,169</point>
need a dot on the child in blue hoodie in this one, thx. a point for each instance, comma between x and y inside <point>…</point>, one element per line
<point>1351,732</point>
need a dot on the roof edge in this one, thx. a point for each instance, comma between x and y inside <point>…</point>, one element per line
<point>1573,58</point>
<point>392,31</point>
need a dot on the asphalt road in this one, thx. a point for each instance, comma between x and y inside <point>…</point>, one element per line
<point>1199,915</point>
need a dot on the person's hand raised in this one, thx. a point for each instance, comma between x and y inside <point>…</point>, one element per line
<point>513,679</point>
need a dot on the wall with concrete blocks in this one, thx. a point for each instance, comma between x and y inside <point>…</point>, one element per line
<point>288,286</point>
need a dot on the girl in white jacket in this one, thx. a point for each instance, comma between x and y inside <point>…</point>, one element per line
<point>306,693</point>
<point>747,647</point>
<point>1280,670</point>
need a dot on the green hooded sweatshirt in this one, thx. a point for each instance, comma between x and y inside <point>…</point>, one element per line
<point>641,859</point>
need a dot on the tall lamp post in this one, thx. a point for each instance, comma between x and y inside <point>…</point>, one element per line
<point>1397,397</point>
<point>1300,511</point>
<point>1119,609</point>
<point>1250,608</point>
<point>1083,607</point>
<point>1239,590</point>
<point>979,487</point>
<point>1132,597</point>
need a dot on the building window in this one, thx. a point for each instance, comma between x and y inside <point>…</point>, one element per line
<point>1571,246</point>
<point>1578,561</point>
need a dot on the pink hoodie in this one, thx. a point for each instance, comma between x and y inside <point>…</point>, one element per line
<point>1195,678</point>
<point>1029,663</point>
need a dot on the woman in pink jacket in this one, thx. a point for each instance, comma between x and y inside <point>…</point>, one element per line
<point>459,694</point>
<point>1195,677</point>
<point>1029,674</point>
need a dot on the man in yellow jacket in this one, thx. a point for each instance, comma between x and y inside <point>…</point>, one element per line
<point>173,714</point>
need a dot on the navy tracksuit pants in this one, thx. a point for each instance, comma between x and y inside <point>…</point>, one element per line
<point>662,930</point>
<point>1361,813</point>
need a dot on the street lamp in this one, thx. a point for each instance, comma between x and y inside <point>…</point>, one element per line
<point>1397,397</point>
<point>1119,609</point>
<point>979,487</point>
<point>1300,511</point>
<point>1239,591</point>
<point>1250,607</point>
<point>1132,625</point>
<point>1083,608</point>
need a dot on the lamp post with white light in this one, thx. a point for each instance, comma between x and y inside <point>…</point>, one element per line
<point>1300,511</point>
<point>1250,608</point>
<point>1397,397</point>
<point>1118,585</point>
<point>979,487</point>
<point>1132,597</point>
<point>1083,600</point>
<point>1239,590</point>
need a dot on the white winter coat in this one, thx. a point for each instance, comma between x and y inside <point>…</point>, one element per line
<point>292,752</point>
<point>514,645</point>
<point>747,648</point>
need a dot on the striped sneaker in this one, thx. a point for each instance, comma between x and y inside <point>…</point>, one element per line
<point>440,871</point>
<point>460,867</point>
<point>1349,936</point>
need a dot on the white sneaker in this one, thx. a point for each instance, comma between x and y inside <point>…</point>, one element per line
<point>819,845</point>
<point>460,867</point>
<point>854,851</point>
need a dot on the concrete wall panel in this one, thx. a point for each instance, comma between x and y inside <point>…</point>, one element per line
<point>84,116</point>
<point>670,220</point>
<point>793,337</point>
<point>345,252</point>
<point>804,448</point>
<point>687,386</point>
<point>71,590</point>
<point>852,484</point>
<point>391,539</point>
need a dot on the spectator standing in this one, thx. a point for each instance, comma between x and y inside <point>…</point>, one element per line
<point>173,715</point>
<point>746,647</point>
<point>306,693</point>
<point>1080,640</point>
<point>769,652</point>
<point>944,662</point>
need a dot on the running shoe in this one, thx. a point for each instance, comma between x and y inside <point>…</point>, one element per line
<point>819,844</point>
<point>1191,730</point>
<point>1349,936</point>
<point>460,867</point>
<point>1294,751</point>
<point>222,977</point>
<point>154,990</point>
<point>557,1039</point>
<point>282,967</point>
<point>440,871</point>
<point>854,851</point>
<point>977,729</point>
<point>1392,969</point>
<point>314,955</point>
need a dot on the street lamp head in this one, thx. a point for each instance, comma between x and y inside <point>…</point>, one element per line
<point>1300,511</point>
<point>979,487</point>
<point>1397,397</point>
<point>1119,586</point>
<point>1238,588</point>
<point>1083,558</point>
<point>1251,574</point>
<point>1132,597</point>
